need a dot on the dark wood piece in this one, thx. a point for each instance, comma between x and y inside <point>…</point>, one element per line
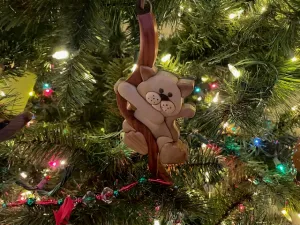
<point>147,57</point>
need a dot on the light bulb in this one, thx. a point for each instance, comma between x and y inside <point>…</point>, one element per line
<point>47,90</point>
<point>199,98</point>
<point>263,9</point>
<point>166,58</point>
<point>204,78</point>
<point>133,67</point>
<point>216,98</point>
<point>299,215</point>
<point>197,89</point>
<point>62,162</point>
<point>2,93</point>
<point>232,16</point>
<point>190,9</point>
<point>156,222</point>
<point>235,72</point>
<point>203,145</point>
<point>294,108</point>
<point>181,7</point>
<point>225,125</point>
<point>23,174</point>
<point>284,212</point>
<point>294,59</point>
<point>61,54</point>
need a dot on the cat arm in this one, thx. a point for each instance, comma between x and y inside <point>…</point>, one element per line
<point>130,93</point>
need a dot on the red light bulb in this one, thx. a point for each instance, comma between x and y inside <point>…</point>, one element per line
<point>47,92</point>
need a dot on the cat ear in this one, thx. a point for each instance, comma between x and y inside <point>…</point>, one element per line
<point>186,87</point>
<point>147,72</point>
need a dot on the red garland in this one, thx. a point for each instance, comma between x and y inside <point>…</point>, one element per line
<point>62,216</point>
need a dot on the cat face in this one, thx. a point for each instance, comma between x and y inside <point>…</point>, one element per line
<point>163,91</point>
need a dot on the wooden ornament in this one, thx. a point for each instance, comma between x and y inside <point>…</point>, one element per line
<point>296,156</point>
<point>151,101</point>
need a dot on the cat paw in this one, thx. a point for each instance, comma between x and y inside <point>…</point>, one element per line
<point>174,153</point>
<point>136,141</point>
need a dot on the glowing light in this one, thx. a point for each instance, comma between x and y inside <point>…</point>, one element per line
<point>294,108</point>
<point>206,174</point>
<point>45,86</point>
<point>181,7</point>
<point>232,16</point>
<point>204,78</point>
<point>2,93</point>
<point>31,93</point>
<point>284,212</point>
<point>213,85</point>
<point>133,67</point>
<point>166,58</point>
<point>203,145</point>
<point>48,92</point>
<point>281,168</point>
<point>102,129</point>
<point>199,98</point>
<point>52,164</point>
<point>23,175</point>
<point>156,222</point>
<point>235,72</point>
<point>62,162</point>
<point>257,142</point>
<point>216,98</point>
<point>22,198</point>
<point>225,125</point>
<point>263,9</point>
<point>299,215</point>
<point>197,89</point>
<point>294,59</point>
<point>190,9</point>
<point>61,54</point>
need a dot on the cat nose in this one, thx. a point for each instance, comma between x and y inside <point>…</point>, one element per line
<point>164,97</point>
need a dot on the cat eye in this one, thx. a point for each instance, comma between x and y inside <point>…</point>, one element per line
<point>170,94</point>
<point>161,90</point>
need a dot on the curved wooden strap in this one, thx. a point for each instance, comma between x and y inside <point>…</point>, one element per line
<point>14,126</point>
<point>147,57</point>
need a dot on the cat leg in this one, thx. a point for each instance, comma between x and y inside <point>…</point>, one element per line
<point>172,152</point>
<point>134,140</point>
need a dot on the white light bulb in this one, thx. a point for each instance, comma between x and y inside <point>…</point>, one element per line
<point>190,9</point>
<point>166,58</point>
<point>235,72</point>
<point>284,212</point>
<point>216,98</point>
<point>133,67</point>
<point>62,162</point>
<point>263,9</point>
<point>61,54</point>
<point>23,174</point>
<point>206,176</point>
<point>2,93</point>
<point>31,93</point>
<point>299,215</point>
<point>294,108</point>
<point>225,125</point>
<point>203,145</point>
<point>181,7</point>
<point>232,16</point>
<point>294,59</point>
<point>156,222</point>
<point>199,98</point>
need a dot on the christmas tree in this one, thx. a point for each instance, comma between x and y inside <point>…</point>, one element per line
<point>70,163</point>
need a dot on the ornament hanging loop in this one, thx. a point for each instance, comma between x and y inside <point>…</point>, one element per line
<point>142,7</point>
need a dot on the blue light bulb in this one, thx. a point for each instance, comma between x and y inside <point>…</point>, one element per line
<point>45,86</point>
<point>197,89</point>
<point>257,142</point>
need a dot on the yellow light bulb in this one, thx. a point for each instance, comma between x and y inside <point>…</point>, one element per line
<point>204,78</point>
<point>235,72</point>
<point>133,67</point>
<point>190,9</point>
<point>232,16</point>
<point>284,212</point>
<point>2,93</point>
<point>61,54</point>
<point>294,59</point>
<point>263,9</point>
<point>31,93</point>
<point>166,58</point>
<point>294,108</point>
<point>216,98</point>
<point>156,222</point>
